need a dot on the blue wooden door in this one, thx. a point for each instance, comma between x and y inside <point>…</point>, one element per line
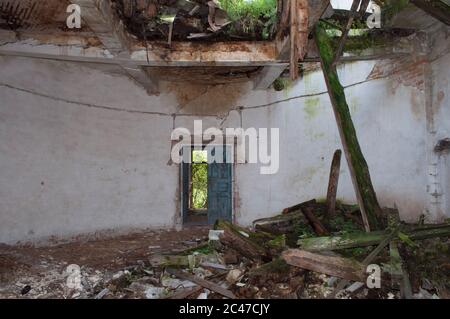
<point>219,186</point>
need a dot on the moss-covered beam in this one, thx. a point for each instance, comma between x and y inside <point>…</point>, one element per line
<point>365,193</point>
<point>361,239</point>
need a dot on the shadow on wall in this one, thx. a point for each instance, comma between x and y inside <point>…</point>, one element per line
<point>206,100</point>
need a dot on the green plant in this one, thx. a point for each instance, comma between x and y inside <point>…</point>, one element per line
<point>253,15</point>
<point>199,180</point>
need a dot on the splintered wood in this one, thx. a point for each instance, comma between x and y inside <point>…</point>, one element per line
<point>299,18</point>
<point>330,265</point>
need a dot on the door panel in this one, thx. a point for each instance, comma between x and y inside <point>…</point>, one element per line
<point>219,187</point>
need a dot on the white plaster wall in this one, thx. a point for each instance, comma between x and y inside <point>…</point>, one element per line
<point>84,149</point>
<point>70,168</point>
<point>391,131</point>
<point>441,107</point>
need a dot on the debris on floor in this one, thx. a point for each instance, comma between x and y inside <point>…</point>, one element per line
<point>280,257</point>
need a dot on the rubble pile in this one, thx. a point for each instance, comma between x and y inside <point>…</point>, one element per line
<point>301,253</point>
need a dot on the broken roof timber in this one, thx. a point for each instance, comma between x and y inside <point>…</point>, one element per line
<point>107,26</point>
<point>283,42</point>
<point>436,8</point>
<point>180,54</point>
<point>251,54</point>
<point>110,30</point>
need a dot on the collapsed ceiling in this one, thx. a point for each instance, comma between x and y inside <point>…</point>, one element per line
<point>213,33</point>
<point>199,19</point>
<point>32,14</point>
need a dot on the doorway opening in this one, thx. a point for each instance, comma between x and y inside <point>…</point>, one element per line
<point>198,187</point>
<point>207,185</point>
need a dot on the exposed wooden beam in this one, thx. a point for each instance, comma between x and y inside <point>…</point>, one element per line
<point>102,18</point>
<point>181,54</point>
<point>436,8</point>
<point>268,75</point>
<point>340,49</point>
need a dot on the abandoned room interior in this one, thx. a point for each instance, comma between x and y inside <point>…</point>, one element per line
<point>227,149</point>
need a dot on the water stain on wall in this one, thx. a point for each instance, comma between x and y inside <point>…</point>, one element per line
<point>311,108</point>
<point>440,98</point>
<point>417,108</point>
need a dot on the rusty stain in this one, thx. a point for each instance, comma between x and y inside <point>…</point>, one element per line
<point>210,52</point>
<point>440,97</point>
<point>68,38</point>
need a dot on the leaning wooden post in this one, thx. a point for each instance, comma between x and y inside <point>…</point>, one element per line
<point>333,183</point>
<point>359,171</point>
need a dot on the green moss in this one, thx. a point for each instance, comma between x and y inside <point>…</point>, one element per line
<point>276,266</point>
<point>303,230</point>
<point>256,16</point>
<point>311,108</point>
<point>278,242</point>
<point>205,249</point>
<point>358,162</point>
<point>282,84</point>
<point>343,226</point>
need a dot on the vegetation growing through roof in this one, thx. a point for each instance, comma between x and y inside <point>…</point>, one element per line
<point>257,17</point>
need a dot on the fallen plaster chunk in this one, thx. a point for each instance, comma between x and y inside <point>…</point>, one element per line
<point>244,234</point>
<point>354,287</point>
<point>213,265</point>
<point>203,295</point>
<point>73,280</point>
<point>102,294</point>
<point>154,292</point>
<point>234,275</point>
<point>215,234</point>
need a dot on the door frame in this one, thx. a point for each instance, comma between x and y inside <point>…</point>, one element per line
<point>232,148</point>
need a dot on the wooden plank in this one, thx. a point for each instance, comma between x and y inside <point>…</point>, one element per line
<point>294,56</point>
<point>202,282</point>
<point>232,237</point>
<point>436,8</point>
<point>345,32</point>
<point>315,223</point>
<point>333,183</point>
<point>297,207</point>
<point>361,239</point>
<point>329,265</point>
<point>107,26</point>
<point>367,261</point>
<point>268,75</point>
<point>399,275</point>
<point>183,294</point>
<point>280,224</point>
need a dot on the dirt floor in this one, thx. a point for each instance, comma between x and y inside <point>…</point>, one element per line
<point>43,268</point>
